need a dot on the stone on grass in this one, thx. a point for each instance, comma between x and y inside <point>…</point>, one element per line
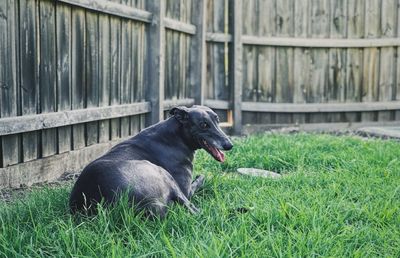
<point>258,172</point>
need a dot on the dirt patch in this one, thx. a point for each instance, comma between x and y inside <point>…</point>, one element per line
<point>11,194</point>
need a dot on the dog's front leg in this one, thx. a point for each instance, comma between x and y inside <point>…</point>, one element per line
<point>196,184</point>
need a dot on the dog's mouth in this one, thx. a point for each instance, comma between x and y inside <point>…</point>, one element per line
<point>215,152</point>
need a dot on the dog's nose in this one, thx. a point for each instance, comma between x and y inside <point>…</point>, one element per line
<point>228,145</point>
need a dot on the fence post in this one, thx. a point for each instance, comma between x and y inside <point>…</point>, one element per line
<point>156,60</point>
<point>235,62</point>
<point>198,51</point>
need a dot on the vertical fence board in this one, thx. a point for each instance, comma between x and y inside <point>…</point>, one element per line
<point>141,85</point>
<point>284,58</point>
<point>156,57</point>
<point>337,57</point>
<point>92,76</point>
<point>249,57</point>
<point>197,57</point>
<point>104,73</point>
<point>237,65</point>
<point>216,52</point>
<point>78,73</point>
<point>29,72</point>
<point>169,65</point>
<point>180,93</point>
<point>319,28</point>
<point>137,64</point>
<point>354,62</point>
<point>115,76</point>
<point>371,57</point>
<point>387,57</point>
<point>47,73</point>
<point>266,59</point>
<point>126,69</point>
<point>302,58</point>
<point>397,86</point>
<point>63,31</point>
<point>9,145</point>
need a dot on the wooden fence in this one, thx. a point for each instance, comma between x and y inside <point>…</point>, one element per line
<point>77,76</point>
<point>309,61</point>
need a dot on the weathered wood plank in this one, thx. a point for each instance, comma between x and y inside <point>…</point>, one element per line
<point>137,63</point>
<point>387,56</point>
<point>156,56</point>
<point>180,26</point>
<point>318,42</point>
<point>266,59</point>
<point>218,87</point>
<point>112,8</point>
<point>126,70</point>
<point>47,73</point>
<point>218,37</point>
<point>217,104</point>
<point>10,152</point>
<point>320,107</point>
<point>92,76</point>
<point>27,123</point>
<point>284,58</point>
<point>64,80</point>
<point>104,73</point>
<point>51,168</point>
<point>78,73</point>
<point>397,85</point>
<point>302,58</point>
<point>115,85</point>
<point>337,57</point>
<point>237,65</point>
<point>354,56</point>
<point>250,71</point>
<point>371,57</point>
<point>29,56</point>
<point>216,17</point>
<point>319,28</point>
<point>168,104</point>
<point>197,56</point>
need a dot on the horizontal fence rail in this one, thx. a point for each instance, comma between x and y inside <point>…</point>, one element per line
<point>319,107</point>
<point>112,8</point>
<point>168,104</point>
<point>218,37</point>
<point>320,43</point>
<point>179,26</point>
<point>22,124</point>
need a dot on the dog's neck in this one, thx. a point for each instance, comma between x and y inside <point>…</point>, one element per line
<point>171,131</point>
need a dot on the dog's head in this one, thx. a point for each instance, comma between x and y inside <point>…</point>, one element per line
<point>201,124</point>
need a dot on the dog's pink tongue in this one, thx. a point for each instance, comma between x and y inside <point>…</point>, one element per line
<point>216,153</point>
<point>221,156</point>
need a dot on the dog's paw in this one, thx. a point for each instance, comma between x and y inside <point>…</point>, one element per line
<point>194,210</point>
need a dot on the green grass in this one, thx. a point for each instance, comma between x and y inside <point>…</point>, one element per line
<point>340,197</point>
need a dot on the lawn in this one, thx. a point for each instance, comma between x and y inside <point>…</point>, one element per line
<point>339,197</point>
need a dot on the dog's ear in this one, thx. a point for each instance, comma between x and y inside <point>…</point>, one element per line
<point>181,113</point>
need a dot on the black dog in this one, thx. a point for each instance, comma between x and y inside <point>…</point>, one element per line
<point>155,166</point>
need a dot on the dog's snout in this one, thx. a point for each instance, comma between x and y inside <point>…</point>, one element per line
<point>227,145</point>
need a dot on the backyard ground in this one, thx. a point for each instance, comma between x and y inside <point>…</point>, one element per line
<point>339,197</point>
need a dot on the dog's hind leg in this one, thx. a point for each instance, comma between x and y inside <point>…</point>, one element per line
<point>196,184</point>
<point>182,199</point>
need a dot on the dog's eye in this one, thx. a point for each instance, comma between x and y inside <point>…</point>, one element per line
<point>204,125</point>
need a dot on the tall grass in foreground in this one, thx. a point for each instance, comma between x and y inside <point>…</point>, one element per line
<point>340,197</point>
